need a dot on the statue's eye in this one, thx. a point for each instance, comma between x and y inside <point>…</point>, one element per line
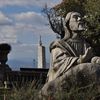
<point>76,17</point>
<point>79,18</point>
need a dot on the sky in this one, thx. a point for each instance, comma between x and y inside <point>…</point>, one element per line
<point>21,24</point>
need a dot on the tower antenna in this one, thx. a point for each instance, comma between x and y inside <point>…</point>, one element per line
<point>40,41</point>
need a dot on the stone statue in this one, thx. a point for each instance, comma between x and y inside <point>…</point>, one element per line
<point>70,53</point>
<point>4,51</point>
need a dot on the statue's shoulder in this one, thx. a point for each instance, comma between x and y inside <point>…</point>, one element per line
<point>55,44</point>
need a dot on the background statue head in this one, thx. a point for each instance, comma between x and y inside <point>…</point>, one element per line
<point>4,50</point>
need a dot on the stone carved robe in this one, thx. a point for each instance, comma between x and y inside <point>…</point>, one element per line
<point>64,56</point>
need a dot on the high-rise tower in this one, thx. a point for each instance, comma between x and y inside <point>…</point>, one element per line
<point>41,55</point>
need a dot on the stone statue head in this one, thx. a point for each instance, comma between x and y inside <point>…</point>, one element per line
<point>4,50</point>
<point>75,20</point>
<point>73,23</point>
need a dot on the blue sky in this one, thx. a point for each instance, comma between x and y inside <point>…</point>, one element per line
<point>21,24</point>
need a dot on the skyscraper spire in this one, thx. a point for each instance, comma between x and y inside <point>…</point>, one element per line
<point>41,55</point>
<point>40,41</point>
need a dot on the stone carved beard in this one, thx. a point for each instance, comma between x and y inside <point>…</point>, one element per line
<point>79,26</point>
<point>70,28</point>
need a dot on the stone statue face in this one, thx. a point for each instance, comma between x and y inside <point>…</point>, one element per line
<point>76,23</point>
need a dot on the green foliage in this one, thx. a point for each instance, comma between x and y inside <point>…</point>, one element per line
<point>70,5</point>
<point>92,9</point>
<point>89,8</point>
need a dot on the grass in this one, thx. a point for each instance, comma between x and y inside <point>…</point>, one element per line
<point>84,88</point>
<point>27,91</point>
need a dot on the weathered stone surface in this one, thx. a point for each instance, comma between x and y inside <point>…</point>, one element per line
<point>71,55</point>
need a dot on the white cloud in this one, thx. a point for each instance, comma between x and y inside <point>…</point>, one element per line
<point>30,17</point>
<point>7,34</point>
<point>12,25</point>
<point>23,23</point>
<point>29,2</point>
<point>7,31</point>
<point>4,20</point>
<point>31,22</point>
<point>25,15</point>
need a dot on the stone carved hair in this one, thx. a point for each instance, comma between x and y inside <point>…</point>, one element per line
<point>68,32</point>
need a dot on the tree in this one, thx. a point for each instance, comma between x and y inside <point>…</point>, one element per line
<point>92,9</point>
<point>89,8</point>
